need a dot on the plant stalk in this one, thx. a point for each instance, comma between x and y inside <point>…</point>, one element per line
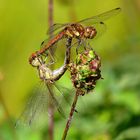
<point>51,108</point>
<point>73,109</point>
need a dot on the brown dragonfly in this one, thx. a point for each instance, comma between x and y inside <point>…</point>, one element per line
<point>81,30</point>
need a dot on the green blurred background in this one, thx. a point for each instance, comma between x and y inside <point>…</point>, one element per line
<point>113,111</point>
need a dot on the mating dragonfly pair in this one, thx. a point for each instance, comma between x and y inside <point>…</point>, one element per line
<point>83,31</point>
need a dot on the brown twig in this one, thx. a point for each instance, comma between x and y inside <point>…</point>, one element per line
<point>51,121</point>
<point>50,11</point>
<point>51,108</point>
<point>71,115</point>
<point>72,11</point>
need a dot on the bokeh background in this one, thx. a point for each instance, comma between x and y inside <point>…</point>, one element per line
<point>112,111</point>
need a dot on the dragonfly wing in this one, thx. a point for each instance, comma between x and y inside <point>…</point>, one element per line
<point>54,101</point>
<point>35,108</point>
<point>44,42</point>
<point>49,54</point>
<point>56,27</point>
<point>100,28</point>
<point>102,17</point>
<point>65,93</point>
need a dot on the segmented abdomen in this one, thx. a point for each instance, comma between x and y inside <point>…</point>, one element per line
<point>52,42</point>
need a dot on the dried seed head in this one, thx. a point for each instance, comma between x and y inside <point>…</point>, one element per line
<point>86,71</point>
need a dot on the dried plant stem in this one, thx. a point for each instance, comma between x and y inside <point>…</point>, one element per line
<point>71,115</point>
<point>51,108</point>
<point>50,11</point>
<point>51,120</point>
<point>72,12</point>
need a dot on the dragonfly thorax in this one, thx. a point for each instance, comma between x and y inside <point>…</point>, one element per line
<point>90,32</point>
<point>45,73</point>
<point>74,31</point>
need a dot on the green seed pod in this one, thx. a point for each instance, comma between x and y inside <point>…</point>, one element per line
<point>86,71</point>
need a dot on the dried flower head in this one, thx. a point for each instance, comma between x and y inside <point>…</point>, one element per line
<point>86,71</point>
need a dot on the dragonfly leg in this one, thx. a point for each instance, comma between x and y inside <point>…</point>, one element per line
<point>52,59</point>
<point>89,46</point>
<point>40,59</point>
<point>79,44</point>
<point>54,101</point>
<point>84,44</point>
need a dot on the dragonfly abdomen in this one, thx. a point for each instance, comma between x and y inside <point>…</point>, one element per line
<point>46,47</point>
<point>52,42</point>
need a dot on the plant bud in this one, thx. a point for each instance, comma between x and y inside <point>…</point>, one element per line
<point>86,71</point>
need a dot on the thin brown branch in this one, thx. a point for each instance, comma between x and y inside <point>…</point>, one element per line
<point>72,11</point>
<point>50,11</point>
<point>51,121</point>
<point>70,115</point>
<point>51,108</point>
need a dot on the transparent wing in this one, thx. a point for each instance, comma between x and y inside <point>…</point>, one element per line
<point>100,28</point>
<point>36,109</point>
<point>54,101</point>
<point>99,18</point>
<point>92,20</point>
<point>44,42</point>
<point>56,28</point>
<point>67,94</point>
<point>50,56</point>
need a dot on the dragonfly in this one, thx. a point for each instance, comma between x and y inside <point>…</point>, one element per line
<point>82,30</point>
<point>45,94</point>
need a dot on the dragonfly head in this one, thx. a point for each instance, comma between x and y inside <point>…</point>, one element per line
<point>90,32</point>
<point>35,60</point>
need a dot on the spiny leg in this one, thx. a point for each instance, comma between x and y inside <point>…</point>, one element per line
<point>88,45</point>
<point>52,60</point>
<point>79,44</point>
<point>85,44</point>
